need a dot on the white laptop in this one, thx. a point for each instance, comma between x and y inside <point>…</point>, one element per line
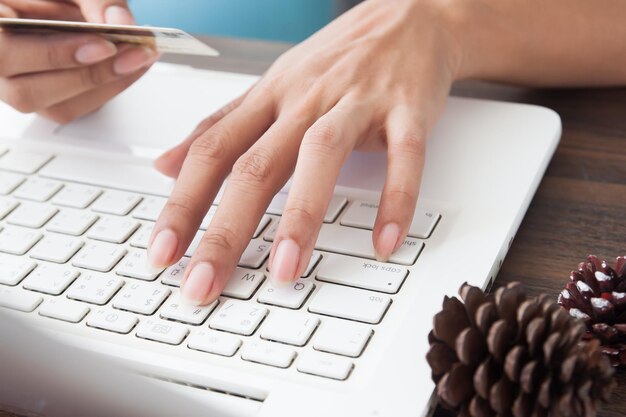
<point>77,204</point>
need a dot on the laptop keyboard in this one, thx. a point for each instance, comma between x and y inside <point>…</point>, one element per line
<point>76,252</point>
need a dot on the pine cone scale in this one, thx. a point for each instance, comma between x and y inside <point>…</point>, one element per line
<point>523,357</point>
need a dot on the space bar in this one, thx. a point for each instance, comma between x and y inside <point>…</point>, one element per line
<point>105,173</point>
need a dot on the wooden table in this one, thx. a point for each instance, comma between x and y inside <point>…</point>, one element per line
<point>580,207</point>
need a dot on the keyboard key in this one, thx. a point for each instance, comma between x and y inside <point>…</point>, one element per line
<point>175,273</point>
<point>255,254</point>
<point>7,205</point>
<point>337,203</point>
<point>350,303</point>
<point>112,320</point>
<point>13,269</point>
<point>119,203</point>
<point>17,240</point>
<point>113,229</point>
<point>162,331</point>
<point>106,173</point>
<point>270,233</point>
<point>18,299</point>
<point>95,288</point>
<point>38,189</point>
<point>324,365</point>
<point>32,215</point>
<point>292,328</point>
<point>76,196</point>
<point>142,236</point>
<point>211,341</point>
<point>243,284</point>
<point>56,248</point>
<point>238,317</point>
<point>65,310</point>
<point>268,353</point>
<point>179,310</point>
<point>9,181</point>
<point>50,279</point>
<point>150,208</point>
<point>98,256</point>
<point>72,222</point>
<point>23,162</point>
<point>342,338</point>
<point>291,296</point>
<point>358,242</point>
<point>141,297</point>
<point>136,265</point>
<point>194,243</point>
<point>369,275</point>
<point>363,214</point>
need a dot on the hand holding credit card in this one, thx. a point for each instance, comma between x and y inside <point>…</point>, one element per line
<point>165,40</point>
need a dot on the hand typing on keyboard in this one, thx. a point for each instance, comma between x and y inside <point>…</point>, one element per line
<point>64,77</point>
<point>376,78</point>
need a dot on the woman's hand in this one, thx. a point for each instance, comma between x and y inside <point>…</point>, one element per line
<point>63,77</point>
<point>376,78</point>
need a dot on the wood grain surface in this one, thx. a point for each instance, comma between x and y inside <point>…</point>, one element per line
<point>580,207</point>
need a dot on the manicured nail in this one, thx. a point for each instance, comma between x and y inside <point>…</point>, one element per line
<point>163,248</point>
<point>285,262</point>
<point>91,53</point>
<point>198,285</point>
<point>118,15</point>
<point>387,241</point>
<point>134,59</point>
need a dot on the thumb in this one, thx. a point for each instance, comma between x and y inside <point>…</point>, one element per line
<point>115,12</point>
<point>6,11</point>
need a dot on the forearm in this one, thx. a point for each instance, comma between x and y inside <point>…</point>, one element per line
<point>541,42</point>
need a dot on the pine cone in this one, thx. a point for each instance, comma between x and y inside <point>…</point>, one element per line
<point>506,354</point>
<point>597,295</point>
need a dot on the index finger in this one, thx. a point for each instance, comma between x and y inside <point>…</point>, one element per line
<point>26,54</point>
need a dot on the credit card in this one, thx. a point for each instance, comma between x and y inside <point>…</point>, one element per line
<point>166,40</point>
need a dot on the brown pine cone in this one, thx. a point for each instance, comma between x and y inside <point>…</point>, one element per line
<point>506,354</point>
<point>597,295</point>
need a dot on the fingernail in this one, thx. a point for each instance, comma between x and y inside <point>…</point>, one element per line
<point>118,15</point>
<point>95,52</point>
<point>198,285</point>
<point>387,241</point>
<point>134,59</point>
<point>162,248</point>
<point>285,263</point>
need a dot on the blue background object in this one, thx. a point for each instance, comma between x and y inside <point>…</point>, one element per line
<point>285,20</point>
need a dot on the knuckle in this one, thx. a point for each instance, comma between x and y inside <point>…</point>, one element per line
<point>254,166</point>
<point>397,195</point>
<point>19,96</point>
<point>218,237</point>
<point>412,144</point>
<point>302,214</point>
<point>53,56</point>
<point>323,137</point>
<point>210,146</point>
<point>92,76</point>
<point>180,206</point>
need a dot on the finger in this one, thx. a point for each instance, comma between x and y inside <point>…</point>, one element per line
<point>115,12</point>
<point>171,161</point>
<point>207,164</point>
<point>406,136</point>
<point>25,54</point>
<point>44,9</point>
<point>325,148</point>
<point>257,176</point>
<point>36,92</point>
<point>87,103</point>
<point>6,11</point>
